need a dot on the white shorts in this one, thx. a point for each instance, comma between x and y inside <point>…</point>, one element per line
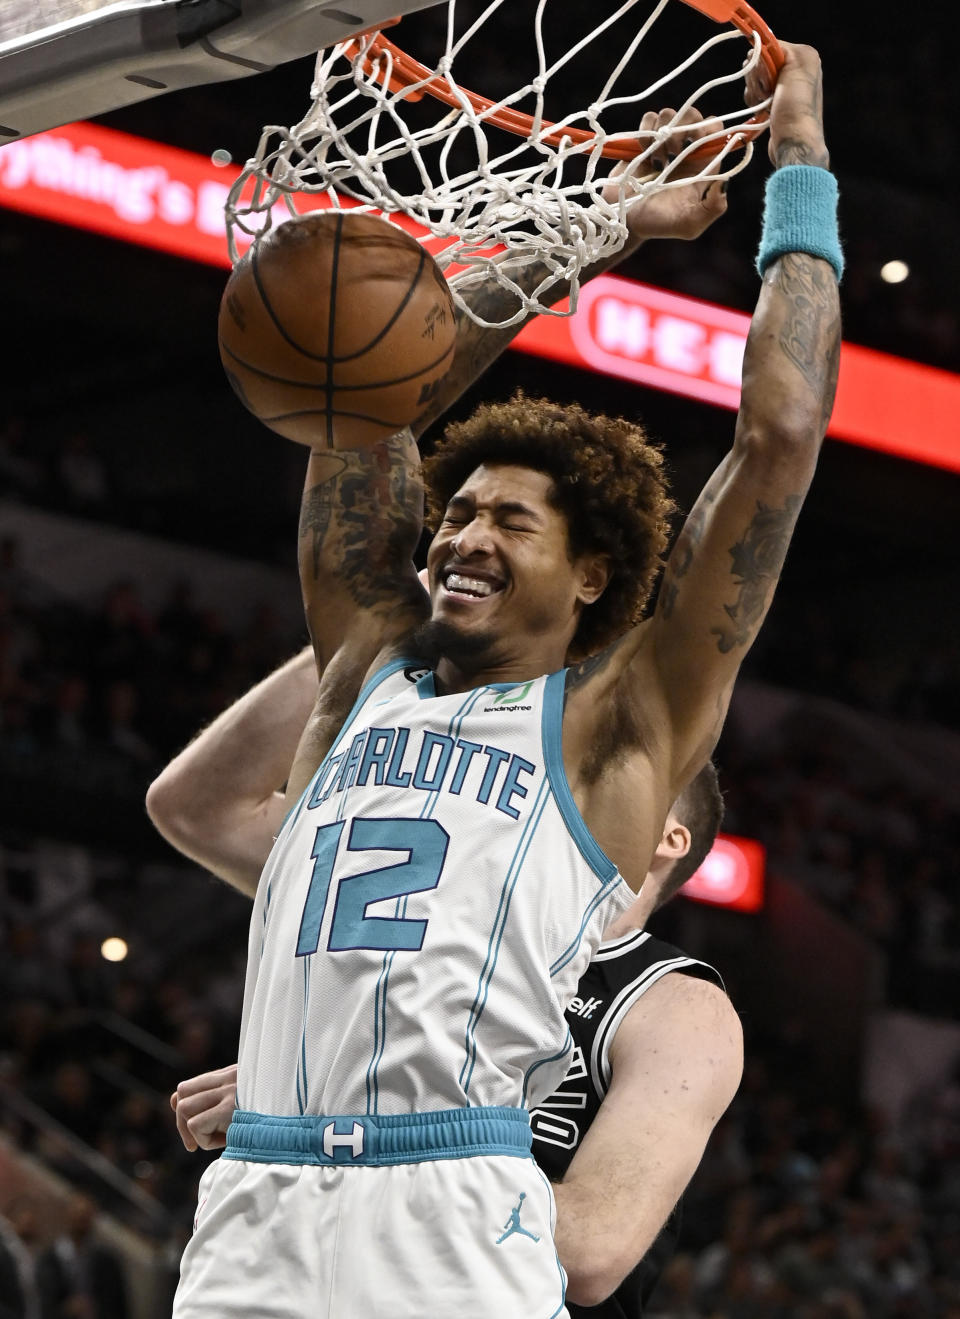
<point>293,1233</point>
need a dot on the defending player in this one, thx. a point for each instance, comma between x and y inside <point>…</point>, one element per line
<point>449,865</point>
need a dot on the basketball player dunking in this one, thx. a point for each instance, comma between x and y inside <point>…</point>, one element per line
<point>449,865</point>
<point>652,1032</point>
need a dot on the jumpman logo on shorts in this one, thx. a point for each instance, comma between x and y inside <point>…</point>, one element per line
<point>513,1223</point>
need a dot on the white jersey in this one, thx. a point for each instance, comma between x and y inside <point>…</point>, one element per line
<point>426,911</point>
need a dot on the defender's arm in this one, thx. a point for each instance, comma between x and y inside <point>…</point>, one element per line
<point>204,1108</point>
<point>220,801</point>
<point>676,1063</point>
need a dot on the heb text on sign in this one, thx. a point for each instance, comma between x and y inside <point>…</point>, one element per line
<point>661,339</point>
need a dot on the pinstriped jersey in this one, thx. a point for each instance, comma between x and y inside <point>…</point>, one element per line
<point>426,911</point>
<point>622,970</point>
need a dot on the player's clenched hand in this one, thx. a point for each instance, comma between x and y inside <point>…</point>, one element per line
<point>204,1106</point>
<point>678,212</point>
<point>796,114</point>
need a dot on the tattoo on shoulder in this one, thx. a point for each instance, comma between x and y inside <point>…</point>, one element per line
<point>756,562</point>
<point>578,674</point>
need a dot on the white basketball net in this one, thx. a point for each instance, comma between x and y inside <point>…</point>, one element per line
<point>464,179</point>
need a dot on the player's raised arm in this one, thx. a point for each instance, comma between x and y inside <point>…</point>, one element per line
<point>676,212</point>
<point>362,508</point>
<point>724,567</point>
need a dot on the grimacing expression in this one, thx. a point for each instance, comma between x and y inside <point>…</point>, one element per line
<point>500,562</point>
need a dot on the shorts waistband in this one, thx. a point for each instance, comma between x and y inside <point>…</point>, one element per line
<point>451,1133</point>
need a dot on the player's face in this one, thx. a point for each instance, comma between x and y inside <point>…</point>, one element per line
<point>500,564</point>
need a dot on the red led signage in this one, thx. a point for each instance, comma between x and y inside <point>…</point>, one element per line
<point>732,875</point>
<point>695,348</point>
<point>124,186</point>
<point>147,193</point>
<point>661,339</point>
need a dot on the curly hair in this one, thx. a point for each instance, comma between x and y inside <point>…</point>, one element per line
<point>608,483</point>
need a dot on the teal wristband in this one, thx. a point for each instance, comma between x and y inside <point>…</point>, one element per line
<point>800,215</point>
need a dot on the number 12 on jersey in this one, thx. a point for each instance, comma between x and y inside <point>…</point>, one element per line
<point>425,843</point>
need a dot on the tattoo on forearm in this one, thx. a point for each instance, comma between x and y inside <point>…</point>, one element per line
<point>316,513</point>
<point>809,335</point>
<point>791,151</point>
<point>797,151</point>
<point>363,522</point>
<point>757,559</point>
<point>479,345</point>
<point>832,374</point>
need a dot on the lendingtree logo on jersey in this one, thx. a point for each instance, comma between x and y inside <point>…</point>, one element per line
<point>511,700</point>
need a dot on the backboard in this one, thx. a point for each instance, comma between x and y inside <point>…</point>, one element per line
<point>62,60</point>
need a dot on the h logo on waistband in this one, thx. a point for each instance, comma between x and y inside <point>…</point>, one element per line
<point>332,1138</point>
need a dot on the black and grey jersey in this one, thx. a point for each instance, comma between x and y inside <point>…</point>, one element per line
<point>621,971</point>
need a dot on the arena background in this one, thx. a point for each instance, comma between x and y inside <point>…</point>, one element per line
<point>147,577</point>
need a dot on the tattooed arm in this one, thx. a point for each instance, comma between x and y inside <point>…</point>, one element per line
<point>725,565</point>
<point>362,510</point>
<point>360,521</point>
<point>683,213</point>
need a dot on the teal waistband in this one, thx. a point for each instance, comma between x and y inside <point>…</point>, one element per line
<point>452,1133</point>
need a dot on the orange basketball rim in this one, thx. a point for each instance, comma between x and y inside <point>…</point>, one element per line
<point>405,72</point>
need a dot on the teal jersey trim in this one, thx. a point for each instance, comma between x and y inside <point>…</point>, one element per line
<point>610,887</point>
<point>552,732</point>
<point>496,934</point>
<point>427,686</point>
<point>366,691</point>
<point>554,1057</point>
<point>561,1272</point>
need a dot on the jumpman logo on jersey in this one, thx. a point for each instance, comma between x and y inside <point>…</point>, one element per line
<point>513,1223</point>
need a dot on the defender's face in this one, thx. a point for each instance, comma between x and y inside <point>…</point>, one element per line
<point>499,563</point>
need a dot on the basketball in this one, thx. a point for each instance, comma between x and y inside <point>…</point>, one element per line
<point>336,327</point>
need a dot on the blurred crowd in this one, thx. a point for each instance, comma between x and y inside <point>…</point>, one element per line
<point>806,1209</point>
<point>72,1276</point>
<point>116,682</point>
<point>882,852</point>
<point>99,1047</point>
